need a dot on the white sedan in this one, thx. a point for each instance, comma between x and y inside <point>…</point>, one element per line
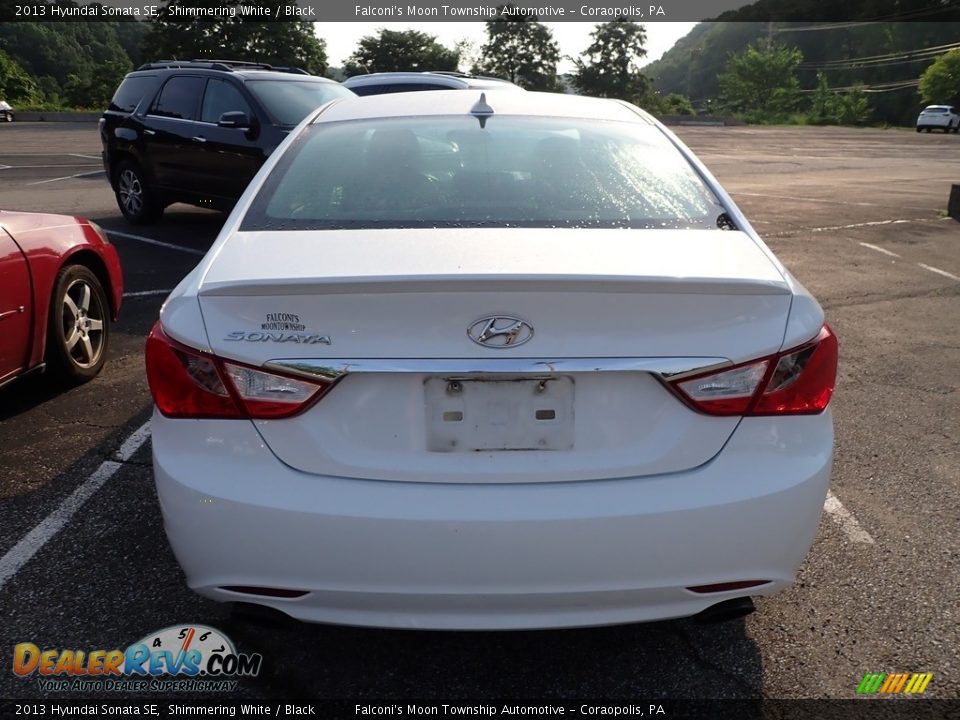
<point>513,361</point>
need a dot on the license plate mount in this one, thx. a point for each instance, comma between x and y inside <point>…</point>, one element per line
<point>499,414</point>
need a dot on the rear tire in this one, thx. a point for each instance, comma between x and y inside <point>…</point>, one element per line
<point>78,328</point>
<point>136,200</point>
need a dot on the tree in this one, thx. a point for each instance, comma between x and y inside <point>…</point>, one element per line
<point>16,86</point>
<point>521,50</point>
<point>853,108</point>
<point>611,68</point>
<point>676,104</point>
<point>761,82</point>
<point>823,105</point>
<point>940,83</point>
<point>248,38</point>
<point>94,90</point>
<point>400,50</point>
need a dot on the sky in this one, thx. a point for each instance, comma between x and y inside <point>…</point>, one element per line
<point>573,37</point>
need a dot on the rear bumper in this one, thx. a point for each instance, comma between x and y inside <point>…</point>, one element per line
<point>469,556</point>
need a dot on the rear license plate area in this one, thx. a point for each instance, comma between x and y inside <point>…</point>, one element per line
<point>492,414</point>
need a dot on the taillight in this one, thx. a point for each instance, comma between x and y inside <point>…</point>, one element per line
<point>798,381</point>
<point>187,383</point>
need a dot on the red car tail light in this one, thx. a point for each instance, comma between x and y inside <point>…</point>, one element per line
<point>798,381</point>
<point>187,383</point>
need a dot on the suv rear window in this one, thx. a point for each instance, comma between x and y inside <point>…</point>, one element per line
<point>513,172</point>
<point>131,92</point>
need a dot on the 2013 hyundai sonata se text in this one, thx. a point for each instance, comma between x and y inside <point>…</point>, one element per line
<point>511,360</point>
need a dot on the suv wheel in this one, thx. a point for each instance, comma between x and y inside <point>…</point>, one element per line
<point>79,326</point>
<point>137,202</point>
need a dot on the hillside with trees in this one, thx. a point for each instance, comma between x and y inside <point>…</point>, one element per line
<point>870,56</point>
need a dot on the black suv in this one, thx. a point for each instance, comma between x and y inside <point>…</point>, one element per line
<point>198,131</point>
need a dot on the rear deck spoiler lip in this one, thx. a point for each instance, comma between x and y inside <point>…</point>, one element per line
<point>333,369</point>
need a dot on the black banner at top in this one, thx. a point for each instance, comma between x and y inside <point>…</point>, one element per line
<point>845,14</point>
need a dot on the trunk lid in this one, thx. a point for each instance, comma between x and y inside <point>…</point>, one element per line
<point>424,402</point>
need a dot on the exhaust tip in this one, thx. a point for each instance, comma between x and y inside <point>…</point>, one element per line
<point>727,610</point>
<point>251,614</point>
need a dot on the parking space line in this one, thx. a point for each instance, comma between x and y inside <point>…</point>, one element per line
<point>67,177</point>
<point>88,157</point>
<point>151,241</point>
<point>938,271</point>
<point>845,519</point>
<point>879,249</point>
<point>872,223</point>
<point>825,201</point>
<point>147,293</point>
<point>33,541</point>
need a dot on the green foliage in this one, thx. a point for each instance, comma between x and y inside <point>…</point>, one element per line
<point>610,69</point>
<point>87,57</point>
<point>823,106</point>
<point>690,67</point>
<point>676,104</point>
<point>761,82</point>
<point>399,51</point>
<point>828,107</point>
<point>94,90</point>
<point>16,86</point>
<point>522,50</point>
<point>940,83</point>
<point>248,38</point>
<point>854,108</point>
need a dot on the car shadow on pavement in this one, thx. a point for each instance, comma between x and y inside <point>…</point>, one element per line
<point>674,659</point>
<point>28,392</point>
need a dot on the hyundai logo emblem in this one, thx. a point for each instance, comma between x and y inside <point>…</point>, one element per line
<point>500,331</point>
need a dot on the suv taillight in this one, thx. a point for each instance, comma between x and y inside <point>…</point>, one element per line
<point>798,381</point>
<point>187,383</point>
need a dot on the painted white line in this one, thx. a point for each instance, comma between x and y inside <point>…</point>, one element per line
<point>47,167</point>
<point>845,519</point>
<point>938,271</point>
<point>133,443</point>
<point>20,554</point>
<point>828,202</point>
<point>88,157</point>
<point>879,249</point>
<point>859,225</point>
<point>146,293</point>
<point>151,241</point>
<point>67,177</point>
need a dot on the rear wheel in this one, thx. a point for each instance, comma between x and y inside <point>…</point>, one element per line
<point>137,202</point>
<point>79,325</point>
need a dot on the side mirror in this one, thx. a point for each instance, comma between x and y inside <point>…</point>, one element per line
<point>234,119</point>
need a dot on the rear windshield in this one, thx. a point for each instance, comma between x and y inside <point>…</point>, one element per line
<point>935,110</point>
<point>131,92</point>
<point>290,101</point>
<point>510,172</point>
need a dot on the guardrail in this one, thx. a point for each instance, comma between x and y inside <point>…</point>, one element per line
<point>55,116</point>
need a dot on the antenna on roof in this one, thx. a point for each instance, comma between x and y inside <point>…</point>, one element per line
<point>481,110</point>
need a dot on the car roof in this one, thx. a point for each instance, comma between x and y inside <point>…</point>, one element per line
<point>448,78</point>
<point>938,107</point>
<point>461,102</point>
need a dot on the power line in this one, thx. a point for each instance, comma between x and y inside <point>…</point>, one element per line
<point>908,15</point>
<point>897,55</point>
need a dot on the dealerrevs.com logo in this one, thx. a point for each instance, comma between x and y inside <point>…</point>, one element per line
<point>180,658</point>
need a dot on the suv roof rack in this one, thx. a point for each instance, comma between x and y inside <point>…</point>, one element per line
<point>225,65</point>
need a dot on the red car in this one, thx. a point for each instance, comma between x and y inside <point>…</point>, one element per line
<point>60,287</point>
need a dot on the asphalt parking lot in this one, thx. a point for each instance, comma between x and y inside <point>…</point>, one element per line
<point>856,214</point>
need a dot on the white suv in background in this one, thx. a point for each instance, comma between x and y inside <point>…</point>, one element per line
<point>946,117</point>
<point>396,82</point>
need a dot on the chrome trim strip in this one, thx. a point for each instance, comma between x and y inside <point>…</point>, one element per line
<point>671,368</point>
